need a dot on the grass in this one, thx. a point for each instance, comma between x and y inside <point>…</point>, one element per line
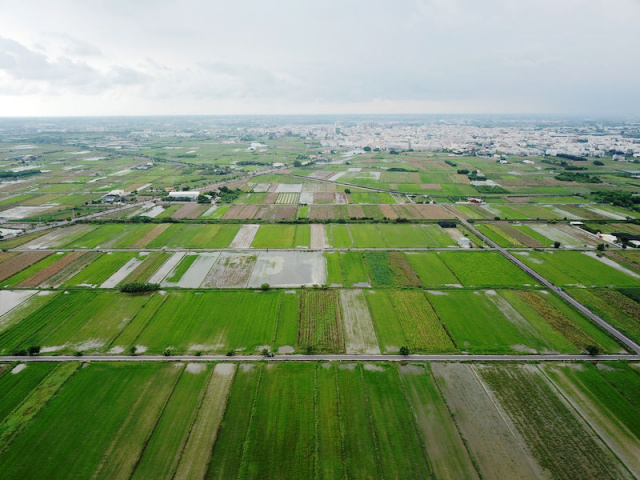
<point>360,449</point>
<point>275,236</point>
<point>431,270</point>
<point>147,268</point>
<point>616,308</point>
<point>111,443</point>
<point>570,268</point>
<point>476,324</point>
<point>100,269</point>
<point>287,332</point>
<point>16,387</point>
<point>195,236</point>
<point>339,236</point>
<point>448,455</point>
<point>420,324</point>
<point>320,327</point>
<point>34,402</point>
<point>401,456</point>
<point>161,454</point>
<point>282,435</point>
<point>385,321</point>
<point>353,269</point>
<point>560,442</point>
<point>302,237</point>
<point>379,268</point>
<point>334,269</point>
<point>181,268</point>
<point>213,321</point>
<point>485,269</point>
<point>32,270</point>
<point>195,457</point>
<point>233,439</point>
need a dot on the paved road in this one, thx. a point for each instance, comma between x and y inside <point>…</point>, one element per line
<point>316,358</point>
<point>543,281</point>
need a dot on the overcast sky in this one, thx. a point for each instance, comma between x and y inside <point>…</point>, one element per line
<point>130,57</point>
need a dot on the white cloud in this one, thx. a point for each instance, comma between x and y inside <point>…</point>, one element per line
<point>203,57</point>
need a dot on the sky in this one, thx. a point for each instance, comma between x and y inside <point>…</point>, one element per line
<point>161,57</point>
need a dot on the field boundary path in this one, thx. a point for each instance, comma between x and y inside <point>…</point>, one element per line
<point>617,334</point>
<point>327,357</point>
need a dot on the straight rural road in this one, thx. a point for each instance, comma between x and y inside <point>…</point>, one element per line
<point>317,358</point>
<point>561,293</point>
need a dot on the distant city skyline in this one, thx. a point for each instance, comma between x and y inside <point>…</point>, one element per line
<point>93,58</point>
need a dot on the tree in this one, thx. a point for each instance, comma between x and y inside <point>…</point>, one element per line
<point>265,351</point>
<point>367,149</point>
<point>33,350</point>
<point>600,247</point>
<point>347,191</point>
<point>309,350</point>
<point>404,350</point>
<point>593,350</point>
<point>264,287</point>
<point>231,353</point>
<point>556,244</point>
<point>167,352</point>
<point>132,350</point>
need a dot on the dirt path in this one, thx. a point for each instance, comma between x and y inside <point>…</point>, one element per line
<point>245,236</point>
<point>360,336</point>
<point>318,236</point>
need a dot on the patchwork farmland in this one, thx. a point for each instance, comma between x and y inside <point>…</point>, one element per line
<point>406,341</point>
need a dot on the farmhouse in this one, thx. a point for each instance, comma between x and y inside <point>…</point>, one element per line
<point>114,196</point>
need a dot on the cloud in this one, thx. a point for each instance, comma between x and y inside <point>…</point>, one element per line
<point>55,75</point>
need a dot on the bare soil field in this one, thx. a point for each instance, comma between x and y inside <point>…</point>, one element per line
<point>18,263</point>
<point>46,273</point>
<point>431,212</point>
<point>498,448</point>
<point>318,236</point>
<point>280,213</point>
<point>245,236</point>
<point>190,211</point>
<point>321,212</point>
<point>318,187</point>
<point>261,187</point>
<point>289,188</point>
<point>306,198</point>
<point>341,198</point>
<point>242,212</point>
<point>360,336</point>
<point>388,211</point>
<point>231,270</point>
<point>324,197</point>
<point>355,211</point>
<point>68,271</point>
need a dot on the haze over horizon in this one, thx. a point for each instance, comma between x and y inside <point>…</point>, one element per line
<point>89,58</point>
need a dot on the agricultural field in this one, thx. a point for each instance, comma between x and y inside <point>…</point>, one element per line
<point>201,420</point>
<point>300,258</point>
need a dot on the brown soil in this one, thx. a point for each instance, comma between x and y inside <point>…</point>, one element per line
<point>150,236</point>
<point>388,211</point>
<point>321,212</point>
<point>20,262</point>
<point>51,270</point>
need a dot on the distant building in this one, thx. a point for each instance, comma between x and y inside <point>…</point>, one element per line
<point>192,195</point>
<point>607,238</point>
<point>111,198</point>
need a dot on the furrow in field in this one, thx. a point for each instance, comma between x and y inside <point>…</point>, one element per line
<point>497,447</point>
<point>197,452</point>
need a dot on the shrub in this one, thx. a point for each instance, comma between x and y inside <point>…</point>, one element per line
<point>33,350</point>
<point>404,350</point>
<point>139,287</point>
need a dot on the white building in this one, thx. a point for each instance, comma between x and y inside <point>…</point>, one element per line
<point>191,195</point>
